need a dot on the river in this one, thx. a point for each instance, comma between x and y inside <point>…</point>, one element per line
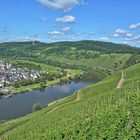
<point>21,104</point>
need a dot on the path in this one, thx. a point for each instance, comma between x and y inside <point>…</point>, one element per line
<point>77,99</point>
<point>120,83</point>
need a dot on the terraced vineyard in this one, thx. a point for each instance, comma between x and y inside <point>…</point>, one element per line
<point>102,112</point>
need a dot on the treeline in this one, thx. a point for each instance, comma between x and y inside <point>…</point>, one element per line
<point>82,54</point>
<point>66,65</point>
<point>28,50</point>
<point>67,51</point>
<point>26,65</point>
<point>106,47</point>
<point>45,77</point>
<point>134,59</point>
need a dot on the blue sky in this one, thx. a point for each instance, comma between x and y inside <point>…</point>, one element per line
<point>56,20</point>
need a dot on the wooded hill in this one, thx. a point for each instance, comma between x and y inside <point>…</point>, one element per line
<point>76,55</point>
<point>100,111</point>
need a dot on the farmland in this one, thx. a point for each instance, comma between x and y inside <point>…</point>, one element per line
<point>100,111</point>
<point>103,112</point>
<point>55,59</point>
<point>69,70</point>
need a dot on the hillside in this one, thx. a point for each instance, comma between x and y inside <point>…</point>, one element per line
<point>100,111</point>
<point>76,55</point>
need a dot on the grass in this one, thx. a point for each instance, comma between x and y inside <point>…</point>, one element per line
<point>70,72</point>
<point>69,56</point>
<point>104,61</point>
<point>103,112</point>
<point>23,89</point>
<point>44,67</point>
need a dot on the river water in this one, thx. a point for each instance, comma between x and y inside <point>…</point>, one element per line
<point>21,104</point>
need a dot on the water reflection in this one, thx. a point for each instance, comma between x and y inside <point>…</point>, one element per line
<point>21,104</point>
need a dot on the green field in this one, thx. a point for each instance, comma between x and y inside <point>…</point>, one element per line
<point>102,112</point>
<point>72,55</point>
<point>43,67</point>
<point>23,89</point>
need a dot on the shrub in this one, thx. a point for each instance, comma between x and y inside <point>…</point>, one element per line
<point>36,107</point>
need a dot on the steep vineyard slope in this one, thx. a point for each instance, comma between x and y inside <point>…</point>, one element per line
<point>101,112</point>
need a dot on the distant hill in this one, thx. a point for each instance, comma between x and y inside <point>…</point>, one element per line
<point>77,54</point>
<point>105,47</point>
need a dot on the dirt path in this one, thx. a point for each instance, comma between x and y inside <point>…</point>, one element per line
<point>77,99</point>
<point>120,83</point>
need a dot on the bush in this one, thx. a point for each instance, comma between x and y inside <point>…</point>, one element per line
<point>42,85</point>
<point>36,107</point>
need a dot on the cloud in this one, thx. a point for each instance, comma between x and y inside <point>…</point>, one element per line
<point>105,39</point>
<point>125,42</point>
<point>4,29</point>
<point>44,19</point>
<point>116,35</point>
<point>128,35</point>
<point>4,39</point>
<point>134,26</point>
<point>64,5</point>
<point>19,39</point>
<point>125,35</point>
<point>66,19</point>
<point>66,29</point>
<point>133,38</point>
<point>120,32</point>
<point>54,33</point>
<point>90,33</point>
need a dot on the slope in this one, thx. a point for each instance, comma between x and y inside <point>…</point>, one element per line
<point>102,112</point>
<point>77,55</point>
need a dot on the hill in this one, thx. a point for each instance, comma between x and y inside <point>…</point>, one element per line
<point>101,111</point>
<point>76,55</point>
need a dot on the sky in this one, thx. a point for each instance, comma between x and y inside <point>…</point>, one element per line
<point>69,20</point>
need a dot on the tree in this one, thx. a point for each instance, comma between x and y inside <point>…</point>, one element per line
<point>42,85</point>
<point>36,107</point>
<point>16,85</point>
<point>115,65</point>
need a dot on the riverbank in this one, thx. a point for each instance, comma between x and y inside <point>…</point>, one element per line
<point>22,89</point>
<point>71,74</point>
<point>21,104</point>
<point>51,97</point>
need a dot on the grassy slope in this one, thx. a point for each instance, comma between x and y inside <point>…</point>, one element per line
<point>103,112</point>
<point>70,54</point>
<point>103,61</point>
<point>44,67</point>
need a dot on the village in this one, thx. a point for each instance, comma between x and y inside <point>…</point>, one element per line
<point>10,74</point>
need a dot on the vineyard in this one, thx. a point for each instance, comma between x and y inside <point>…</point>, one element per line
<point>102,112</point>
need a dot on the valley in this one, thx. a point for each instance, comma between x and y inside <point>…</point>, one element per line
<point>69,70</point>
<point>111,105</point>
<point>100,96</point>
